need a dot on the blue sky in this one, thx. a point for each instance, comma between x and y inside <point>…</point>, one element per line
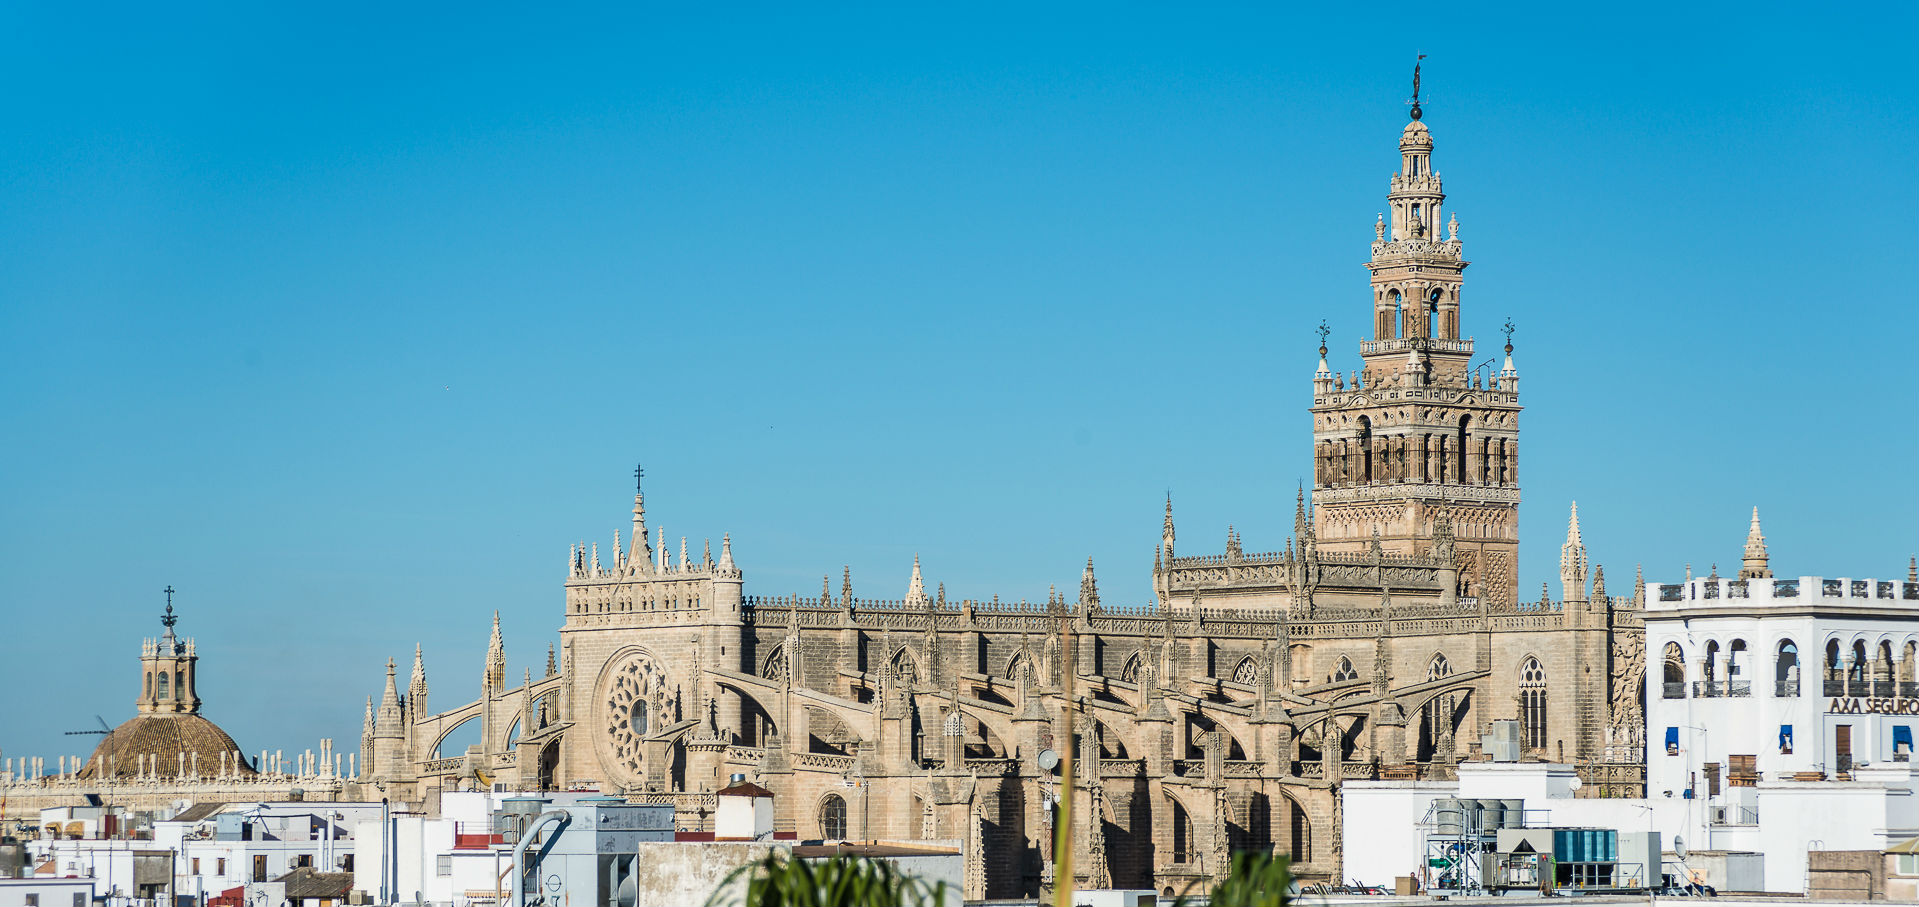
<point>346,321</point>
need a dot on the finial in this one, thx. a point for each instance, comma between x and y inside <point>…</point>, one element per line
<point>1508,329</point>
<point>169,618</point>
<point>1323,332</point>
<point>639,472</point>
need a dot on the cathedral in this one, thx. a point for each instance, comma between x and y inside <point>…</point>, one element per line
<point>1382,643</point>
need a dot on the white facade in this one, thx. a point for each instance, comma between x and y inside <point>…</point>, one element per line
<point>1772,677</point>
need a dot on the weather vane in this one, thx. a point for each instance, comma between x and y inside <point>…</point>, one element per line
<point>169,618</point>
<point>1415,101</point>
<point>1508,329</point>
<point>1323,330</point>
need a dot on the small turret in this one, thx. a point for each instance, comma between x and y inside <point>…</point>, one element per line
<point>1754,562</point>
<point>915,586</point>
<point>1572,561</point>
<point>726,552</point>
<point>1088,588</point>
<point>1166,531</point>
<point>416,691</point>
<point>642,553</point>
<point>495,678</point>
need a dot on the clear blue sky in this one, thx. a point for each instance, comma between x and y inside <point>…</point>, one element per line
<point>346,320</point>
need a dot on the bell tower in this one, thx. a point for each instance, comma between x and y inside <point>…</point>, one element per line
<point>1419,434</point>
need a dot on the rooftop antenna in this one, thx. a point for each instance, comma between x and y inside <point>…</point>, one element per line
<point>103,728</point>
<point>1415,98</point>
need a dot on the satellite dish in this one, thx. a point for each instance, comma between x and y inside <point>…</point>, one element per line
<point>1679,847</point>
<point>1048,760</point>
<point>1574,783</point>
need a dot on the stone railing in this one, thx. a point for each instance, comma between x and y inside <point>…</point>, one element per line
<point>823,761</point>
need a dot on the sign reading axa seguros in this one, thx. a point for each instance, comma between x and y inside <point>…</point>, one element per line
<point>1860,705</point>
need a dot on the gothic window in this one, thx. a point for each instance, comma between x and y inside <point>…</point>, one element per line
<point>833,818</point>
<point>164,692</point>
<point>1182,830</point>
<point>774,667</point>
<point>1532,704</point>
<point>1130,673</point>
<point>1247,672</point>
<point>1345,670</point>
<point>1435,717</point>
<point>905,670</point>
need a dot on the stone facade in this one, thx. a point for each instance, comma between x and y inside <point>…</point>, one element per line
<point>1223,715</point>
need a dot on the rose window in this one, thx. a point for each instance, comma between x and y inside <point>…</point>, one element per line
<point>633,696</point>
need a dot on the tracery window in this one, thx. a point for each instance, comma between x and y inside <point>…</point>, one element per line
<point>1345,670</point>
<point>833,818</point>
<point>1532,704</point>
<point>1247,672</point>
<point>1130,673</point>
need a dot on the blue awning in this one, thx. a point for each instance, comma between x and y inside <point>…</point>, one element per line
<point>1785,735</point>
<point>1672,737</point>
<point>1902,733</point>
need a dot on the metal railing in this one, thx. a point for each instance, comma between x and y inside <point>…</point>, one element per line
<point>1739,689</point>
<point>1786,689</point>
<point>1675,690</point>
<point>1707,689</point>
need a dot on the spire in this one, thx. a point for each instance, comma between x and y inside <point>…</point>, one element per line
<point>706,554</point>
<point>1088,588</point>
<point>551,668</point>
<point>683,560</point>
<point>1599,583</point>
<point>366,725</point>
<point>391,696</point>
<point>846,584</point>
<point>1508,375</point>
<point>1639,585</point>
<point>619,554</point>
<point>495,658</point>
<point>1912,569</point>
<point>416,691</point>
<point>1755,566</point>
<point>726,552</point>
<point>1166,532</point>
<point>1572,561</point>
<point>915,587</point>
<point>642,552</point>
<point>1299,512</point>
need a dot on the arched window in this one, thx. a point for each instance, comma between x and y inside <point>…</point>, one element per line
<point>1432,313</point>
<point>164,692</point>
<point>833,818</point>
<point>1182,830</point>
<point>1709,667</point>
<point>179,684</point>
<point>1435,717</point>
<point>1345,670</point>
<point>1366,448</point>
<point>1532,704</point>
<point>1856,672</point>
<point>1302,829</point>
<point>149,686</point>
<point>1674,672</point>
<point>905,669</point>
<point>1130,673</point>
<point>1785,672</point>
<point>1247,672</point>
<point>1737,683</point>
<point>1459,450</point>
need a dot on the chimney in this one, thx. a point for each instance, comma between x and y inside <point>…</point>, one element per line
<point>745,812</point>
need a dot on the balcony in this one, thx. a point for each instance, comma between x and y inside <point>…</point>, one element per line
<point>1739,689</point>
<point>1675,690</point>
<point>1835,688</point>
<point>1786,689</point>
<point>1707,689</point>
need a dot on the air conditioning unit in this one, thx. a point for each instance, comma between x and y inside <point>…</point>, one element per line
<point>1718,815</point>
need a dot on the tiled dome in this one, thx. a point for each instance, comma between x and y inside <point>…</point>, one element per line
<point>161,740</point>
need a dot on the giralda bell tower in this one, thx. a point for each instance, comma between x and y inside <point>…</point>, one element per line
<point>1422,436</point>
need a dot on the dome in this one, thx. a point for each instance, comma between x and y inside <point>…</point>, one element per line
<point>1416,134</point>
<point>162,740</point>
